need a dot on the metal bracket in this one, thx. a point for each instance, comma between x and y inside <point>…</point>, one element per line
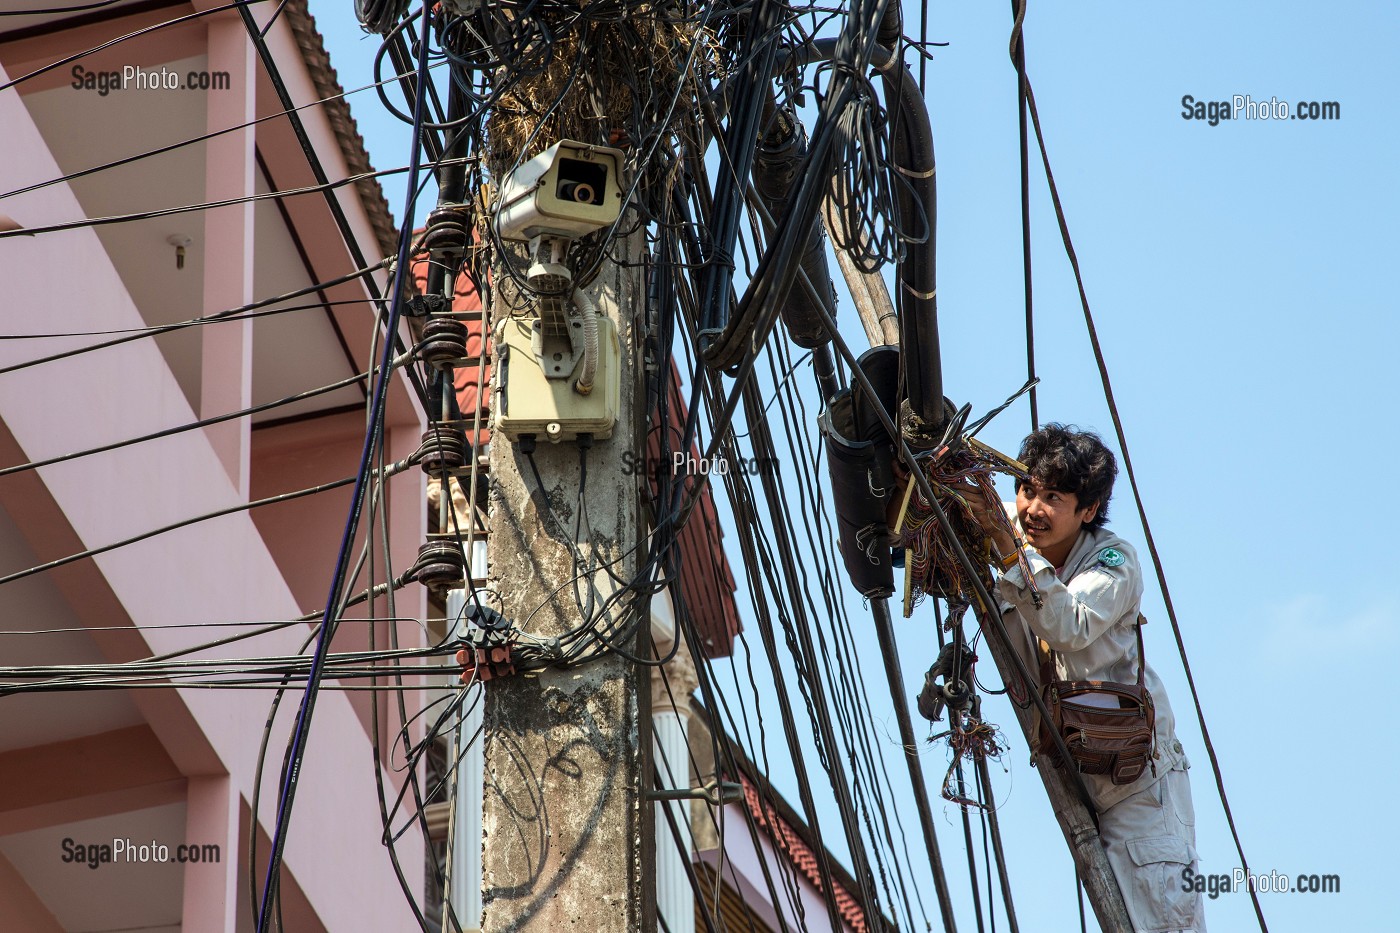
<point>715,793</point>
<point>557,334</point>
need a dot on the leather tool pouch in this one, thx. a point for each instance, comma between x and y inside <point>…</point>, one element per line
<point>1101,739</point>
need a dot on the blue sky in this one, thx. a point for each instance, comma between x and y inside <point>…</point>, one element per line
<point>1237,275</point>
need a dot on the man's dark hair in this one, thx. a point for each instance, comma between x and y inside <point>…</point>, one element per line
<point>1065,458</point>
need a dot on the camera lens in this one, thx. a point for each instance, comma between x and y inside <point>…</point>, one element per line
<point>578,191</point>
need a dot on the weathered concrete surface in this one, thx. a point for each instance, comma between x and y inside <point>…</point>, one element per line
<point>566,844</point>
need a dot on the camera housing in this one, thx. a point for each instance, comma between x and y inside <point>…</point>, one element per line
<point>569,190</point>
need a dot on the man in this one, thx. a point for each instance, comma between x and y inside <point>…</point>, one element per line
<point>1090,588</point>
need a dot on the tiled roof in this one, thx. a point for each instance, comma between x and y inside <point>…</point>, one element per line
<point>352,145</point>
<point>706,583</point>
<point>803,857</point>
<point>473,382</point>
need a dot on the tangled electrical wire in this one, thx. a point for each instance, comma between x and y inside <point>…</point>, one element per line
<point>956,477</point>
<point>686,90</point>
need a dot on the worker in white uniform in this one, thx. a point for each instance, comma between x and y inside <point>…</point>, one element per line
<point>1090,588</point>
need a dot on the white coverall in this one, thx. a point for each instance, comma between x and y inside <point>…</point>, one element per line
<point>1087,614</point>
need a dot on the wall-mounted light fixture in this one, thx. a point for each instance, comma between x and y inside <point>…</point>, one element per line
<point>180,241</point>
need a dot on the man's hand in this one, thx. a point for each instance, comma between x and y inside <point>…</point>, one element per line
<point>987,517</point>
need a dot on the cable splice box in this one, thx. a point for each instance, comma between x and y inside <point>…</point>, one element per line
<point>531,401</point>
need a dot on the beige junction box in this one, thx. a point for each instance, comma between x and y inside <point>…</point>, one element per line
<point>529,401</point>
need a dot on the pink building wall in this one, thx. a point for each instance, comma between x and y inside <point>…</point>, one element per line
<point>190,748</point>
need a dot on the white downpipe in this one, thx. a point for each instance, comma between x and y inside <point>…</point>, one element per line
<point>675,901</point>
<point>465,883</point>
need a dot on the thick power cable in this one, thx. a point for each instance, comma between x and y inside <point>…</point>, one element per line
<point>303,724</point>
<point>884,631</point>
<point>1137,497</point>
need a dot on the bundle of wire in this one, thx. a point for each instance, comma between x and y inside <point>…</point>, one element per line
<point>955,476</point>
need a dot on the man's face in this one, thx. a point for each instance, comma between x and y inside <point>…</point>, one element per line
<point>1051,519</point>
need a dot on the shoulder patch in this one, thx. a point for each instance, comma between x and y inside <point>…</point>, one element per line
<point>1111,558</point>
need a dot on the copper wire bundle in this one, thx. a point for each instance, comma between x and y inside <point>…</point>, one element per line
<point>931,565</point>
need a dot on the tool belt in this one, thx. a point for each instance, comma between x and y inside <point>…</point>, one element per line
<point>1102,740</point>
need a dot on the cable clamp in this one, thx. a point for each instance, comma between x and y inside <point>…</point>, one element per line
<point>715,793</point>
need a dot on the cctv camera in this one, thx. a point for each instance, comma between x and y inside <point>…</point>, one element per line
<point>568,190</point>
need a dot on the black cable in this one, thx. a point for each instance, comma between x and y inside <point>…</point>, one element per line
<point>992,821</point>
<point>1018,57</point>
<point>986,846</point>
<point>738,149</point>
<point>171,147</point>
<point>967,841</point>
<point>50,11</point>
<point>1137,497</point>
<point>193,425</point>
<point>241,507</point>
<point>884,630</point>
<point>298,743</point>
<point>364,271</point>
<point>133,629</point>
<point>325,188</point>
<point>119,39</point>
<point>272,20</point>
<point>1079,890</point>
<point>155,329</point>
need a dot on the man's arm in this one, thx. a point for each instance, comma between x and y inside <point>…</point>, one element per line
<point>1072,616</point>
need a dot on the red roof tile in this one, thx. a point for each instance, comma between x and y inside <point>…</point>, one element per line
<point>706,581</point>
<point>473,383</point>
<point>802,856</point>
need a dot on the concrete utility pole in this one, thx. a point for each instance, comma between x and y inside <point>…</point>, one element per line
<point>567,839</point>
